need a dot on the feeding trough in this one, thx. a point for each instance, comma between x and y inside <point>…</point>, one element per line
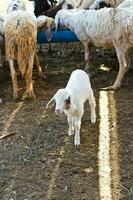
<point>57,37</point>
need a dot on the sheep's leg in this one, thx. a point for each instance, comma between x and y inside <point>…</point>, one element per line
<point>77,125</point>
<point>86,47</point>
<point>71,127</point>
<point>92,106</point>
<point>14,79</point>
<point>1,63</point>
<point>121,54</point>
<point>129,58</point>
<point>28,78</point>
<point>37,63</point>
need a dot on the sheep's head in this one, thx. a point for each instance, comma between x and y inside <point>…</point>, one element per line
<point>63,101</point>
<point>15,5</point>
<point>45,24</point>
<point>63,18</point>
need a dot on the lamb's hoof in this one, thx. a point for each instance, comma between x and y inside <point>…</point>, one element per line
<point>70,133</point>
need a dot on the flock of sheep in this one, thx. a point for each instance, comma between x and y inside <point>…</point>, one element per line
<point>106,27</point>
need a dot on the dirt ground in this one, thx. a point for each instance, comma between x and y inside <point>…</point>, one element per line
<point>39,161</point>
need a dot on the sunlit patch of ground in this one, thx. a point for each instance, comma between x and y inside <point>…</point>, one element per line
<point>40,161</point>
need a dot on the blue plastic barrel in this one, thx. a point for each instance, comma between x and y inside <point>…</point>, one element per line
<point>58,37</point>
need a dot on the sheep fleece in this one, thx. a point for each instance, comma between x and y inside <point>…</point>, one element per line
<point>20,38</point>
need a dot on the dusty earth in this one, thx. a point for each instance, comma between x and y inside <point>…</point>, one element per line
<point>39,161</point>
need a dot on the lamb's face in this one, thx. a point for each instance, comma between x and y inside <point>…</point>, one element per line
<point>62,100</point>
<point>16,5</point>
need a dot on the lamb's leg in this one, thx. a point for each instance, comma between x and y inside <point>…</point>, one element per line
<point>71,125</point>
<point>121,54</point>
<point>77,124</point>
<point>14,79</point>
<point>92,106</point>
<point>37,63</point>
<point>28,78</point>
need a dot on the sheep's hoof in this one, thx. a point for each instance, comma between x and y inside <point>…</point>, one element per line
<point>1,101</point>
<point>112,87</point>
<point>77,142</point>
<point>40,74</point>
<point>93,119</point>
<point>15,97</point>
<point>28,96</point>
<point>31,96</point>
<point>86,69</point>
<point>43,77</point>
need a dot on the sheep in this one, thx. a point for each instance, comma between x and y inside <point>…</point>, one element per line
<point>126,4</point>
<point>107,3</point>
<point>15,5</point>
<point>43,22</point>
<point>71,99</point>
<point>82,4</point>
<point>106,27</point>
<point>20,44</point>
<point>20,30</point>
<point>86,4</point>
<point>1,45</point>
<point>120,4</point>
<point>2,49</point>
<point>43,7</point>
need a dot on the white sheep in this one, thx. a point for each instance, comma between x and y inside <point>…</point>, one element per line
<point>126,4</point>
<point>71,100</point>
<point>106,27</point>
<point>15,5</point>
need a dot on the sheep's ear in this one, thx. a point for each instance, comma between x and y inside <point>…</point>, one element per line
<point>51,101</point>
<point>48,33</point>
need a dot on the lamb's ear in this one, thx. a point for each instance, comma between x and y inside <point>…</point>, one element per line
<point>51,100</point>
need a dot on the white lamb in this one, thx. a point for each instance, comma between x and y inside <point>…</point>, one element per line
<point>71,100</point>
<point>106,27</point>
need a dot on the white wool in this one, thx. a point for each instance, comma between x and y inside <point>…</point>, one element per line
<point>106,27</point>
